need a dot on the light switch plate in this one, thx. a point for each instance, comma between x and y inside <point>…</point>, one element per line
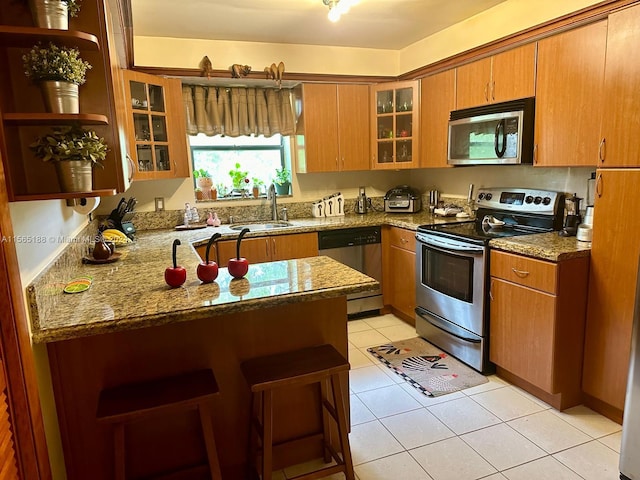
<point>159,204</point>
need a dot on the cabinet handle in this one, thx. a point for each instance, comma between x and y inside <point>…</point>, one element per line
<point>535,154</point>
<point>493,90</point>
<point>520,273</point>
<point>599,185</point>
<point>601,150</point>
<point>337,164</point>
<point>491,290</point>
<point>486,91</point>
<point>343,163</point>
<point>273,252</point>
<point>266,247</point>
<point>403,240</point>
<point>132,167</point>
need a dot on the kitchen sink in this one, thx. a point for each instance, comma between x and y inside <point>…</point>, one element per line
<point>254,227</point>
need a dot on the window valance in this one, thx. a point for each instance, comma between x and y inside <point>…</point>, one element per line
<point>236,111</point>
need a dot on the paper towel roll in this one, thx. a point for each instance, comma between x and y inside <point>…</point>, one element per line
<point>87,205</point>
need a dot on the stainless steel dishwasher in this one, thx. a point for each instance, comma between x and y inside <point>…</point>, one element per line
<point>361,249</point>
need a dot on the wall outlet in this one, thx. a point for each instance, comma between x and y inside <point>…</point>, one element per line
<point>159,204</point>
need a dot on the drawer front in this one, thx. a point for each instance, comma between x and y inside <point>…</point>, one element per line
<point>525,271</point>
<point>401,238</point>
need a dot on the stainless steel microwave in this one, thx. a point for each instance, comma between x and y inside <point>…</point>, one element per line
<point>501,133</point>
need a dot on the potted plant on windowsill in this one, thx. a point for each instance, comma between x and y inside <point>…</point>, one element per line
<point>75,152</point>
<point>257,186</point>
<point>53,13</point>
<point>204,184</point>
<point>282,181</point>
<point>59,71</point>
<point>239,180</point>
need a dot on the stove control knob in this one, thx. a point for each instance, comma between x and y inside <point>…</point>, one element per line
<point>537,200</point>
<point>481,196</point>
<point>546,200</point>
<point>529,199</point>
<point>489,196</point>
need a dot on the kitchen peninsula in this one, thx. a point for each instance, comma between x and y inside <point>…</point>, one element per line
<point>130,326</point>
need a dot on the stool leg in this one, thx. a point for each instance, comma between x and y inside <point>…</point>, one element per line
<point>209,440</point>
<point>325,420</point>
<point>118,451</point>
<point>267,435</point>
<point>338,399</point>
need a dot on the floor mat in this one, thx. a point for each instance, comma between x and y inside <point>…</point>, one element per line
<point>426,367</point>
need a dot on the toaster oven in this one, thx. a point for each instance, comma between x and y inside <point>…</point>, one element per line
<point>402,199</point>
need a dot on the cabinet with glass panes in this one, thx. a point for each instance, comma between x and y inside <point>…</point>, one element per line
<point>395,125</point>
<point>157,135</point>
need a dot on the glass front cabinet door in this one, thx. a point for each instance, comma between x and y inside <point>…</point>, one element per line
<point>395,125</point>
<point>157,135</point>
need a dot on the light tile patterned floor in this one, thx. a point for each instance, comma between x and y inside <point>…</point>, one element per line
<point>492,432</point>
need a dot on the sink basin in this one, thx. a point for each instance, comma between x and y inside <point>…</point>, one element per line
<point>254,227</point>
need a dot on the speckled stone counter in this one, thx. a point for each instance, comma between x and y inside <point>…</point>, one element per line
<point>544,246</point>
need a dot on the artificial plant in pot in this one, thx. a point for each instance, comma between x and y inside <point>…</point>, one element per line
<point>239,179</point>
<point>282,181</point>
<point>59,71</point>
<point>53,13</point>
<point>204,183</point>
<point>75,152</point>
<point>257,186</point>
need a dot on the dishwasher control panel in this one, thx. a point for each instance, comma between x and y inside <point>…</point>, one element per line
<point>348,237</point>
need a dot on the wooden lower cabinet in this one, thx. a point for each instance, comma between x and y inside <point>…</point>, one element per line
<point>537,324</point>
<point>398,271</point>
<point>612,289</point>
<point>266,249</point>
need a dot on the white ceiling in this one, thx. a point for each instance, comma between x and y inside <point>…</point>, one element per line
<point>380,24</point>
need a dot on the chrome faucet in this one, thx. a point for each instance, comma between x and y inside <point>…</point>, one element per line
<point>271,195</point>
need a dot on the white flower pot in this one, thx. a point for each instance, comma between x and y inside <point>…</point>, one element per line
<point>50,14</point>
<point>60,97</point>
<point>74,175</point>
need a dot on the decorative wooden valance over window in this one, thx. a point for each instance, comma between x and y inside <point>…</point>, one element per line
<point>237,111</point>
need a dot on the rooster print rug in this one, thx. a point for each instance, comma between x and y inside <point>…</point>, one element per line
<point>427,368</point>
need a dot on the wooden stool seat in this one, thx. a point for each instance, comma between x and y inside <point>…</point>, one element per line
<point>320,364</point>
<point>127,403</point>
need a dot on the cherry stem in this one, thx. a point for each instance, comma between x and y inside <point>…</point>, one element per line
<point>211,241</point>
<point>242,234</point>
<point>176,242</point>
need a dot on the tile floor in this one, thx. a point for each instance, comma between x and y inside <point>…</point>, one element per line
<point>493,432</point>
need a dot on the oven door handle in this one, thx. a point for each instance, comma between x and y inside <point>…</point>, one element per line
<point>450,329</point>
<point>444,245</point>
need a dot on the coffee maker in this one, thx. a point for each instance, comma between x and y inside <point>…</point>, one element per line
<point>361,201</point>
<point>573,218</point>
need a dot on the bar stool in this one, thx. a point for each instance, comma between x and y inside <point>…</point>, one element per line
<point>125,404</point>
<point>320,364</point>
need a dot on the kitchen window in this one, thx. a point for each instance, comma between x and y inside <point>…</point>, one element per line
<point>258,158</point>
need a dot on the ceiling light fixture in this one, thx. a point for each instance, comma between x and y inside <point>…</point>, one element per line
<point>337,8</point>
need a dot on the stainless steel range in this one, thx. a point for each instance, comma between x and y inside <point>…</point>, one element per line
<point>452,267</point>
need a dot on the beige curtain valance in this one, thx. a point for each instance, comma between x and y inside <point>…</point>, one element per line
<point>237,111</point>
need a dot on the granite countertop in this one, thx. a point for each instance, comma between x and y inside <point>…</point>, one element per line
<point>545,246</point>
<point>131,293</point>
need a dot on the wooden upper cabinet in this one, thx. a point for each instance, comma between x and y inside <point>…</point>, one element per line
<point>437,99</point>
<point>336,127</point>
<point>620,121</point>
<point>395,125</point>
<point>569,100</point>
<point>353,127</point>
<point>505,76</point>
<point>320,114</point>
<point>473,81</point>
<point>156,126</point>
<point>612,286</point>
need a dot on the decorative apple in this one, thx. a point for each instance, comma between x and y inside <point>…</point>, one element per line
<point>238,267</point>
<point>208,271</point>
<point>176,275</point>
